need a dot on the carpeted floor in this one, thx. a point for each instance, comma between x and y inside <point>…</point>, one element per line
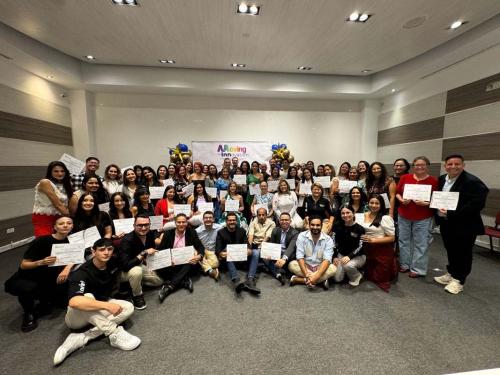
<point>415,329</point>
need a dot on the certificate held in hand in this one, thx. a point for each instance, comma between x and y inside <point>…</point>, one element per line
<point>237,253</point>
<point>68,253</point>
<point>182,255</point>
<point>417,192</point>
<point>182,209</point>
<point>447,200</point>
<point>231,205</point>
<point>240,179</point>
<point>160,259</point>
<point>270,251</point>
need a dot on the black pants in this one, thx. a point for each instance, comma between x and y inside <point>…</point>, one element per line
<point>175,275</point>
<point>458,244</point>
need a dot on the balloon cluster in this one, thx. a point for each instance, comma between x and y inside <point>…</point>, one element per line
<point>280,152</point>
<point>180,154</point>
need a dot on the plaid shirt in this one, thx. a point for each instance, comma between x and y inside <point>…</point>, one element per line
<point>77,180</point>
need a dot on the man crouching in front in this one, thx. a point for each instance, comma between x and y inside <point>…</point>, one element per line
<point>90,288</point>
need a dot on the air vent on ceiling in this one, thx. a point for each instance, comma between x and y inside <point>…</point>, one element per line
<point>414,22</point>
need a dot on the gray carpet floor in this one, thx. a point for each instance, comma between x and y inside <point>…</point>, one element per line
<point>417,328</point>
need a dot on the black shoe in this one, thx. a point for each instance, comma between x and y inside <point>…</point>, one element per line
<point>188,284</point>
<point>325,284</point>
<point>139,302</point>
<point>165,291</point>
<point>251,286</point>
<point>29,322</point>
<point>238,286</point>
<point>280,278</point>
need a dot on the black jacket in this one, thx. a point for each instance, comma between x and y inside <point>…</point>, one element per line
<point>290,240</point>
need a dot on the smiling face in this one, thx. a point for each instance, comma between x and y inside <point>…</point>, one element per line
<point>162,172</point>
<point>118,202</point>
<point>92,165</point>
<point>231,223</point>
<point>316,192</point>
<point>355,195</point>
<point>171,170</point>
<point>263,187</point>
<point>344,169</point>
<point>283,187</point>
<point>130,176</point>
<point>454,166</point>
<point>58,173</point>
<point>347,215</point>
<point>180,224</point>
<point>353,174</point>
<point>285,222</point>
<point>315,226</point>
<point>148,175</point>
<point>92,185</point>
<point>88,203</point>
<point>170,194</point>
<point>374,205</point>
<point>112,173</point>
<point>232,188</point>
<point>361,167</point>
<point>376,170</point>
<point>399,168</point>
<point>141,226</point>
<point>199,189</point>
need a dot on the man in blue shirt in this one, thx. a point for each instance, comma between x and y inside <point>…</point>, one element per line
<point>207,234</point>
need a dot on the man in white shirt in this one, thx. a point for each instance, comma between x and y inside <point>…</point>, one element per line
<point>208,235</point>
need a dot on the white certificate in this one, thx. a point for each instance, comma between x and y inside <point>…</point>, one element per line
<point>222,194</point>
<point>273,185</point>
<point>206,206</point>
<point>259,206</point>
<point>124,169</point>
<point>254,189</point>
<point>345,186</point>
<point>182,209</point>
<point>212,192</point>
<point>158,260</point>
<point>237,253</point>
<point>417,192</point>
<point>156,222</point>
<point>232,205</point>
<point>86,237</point>
<point>385,197</point>
<point>447,200</point>
<point>291,182</point>
<point>270,251</point>
<point>323,181</point>
<point>182,255</point>
<point>74,165</point>
<point>305,189</point>
<point>156,192</point>
<point>68,253</point>
<point>104,207</point>
<point>168,182</point>
<point>124,225</point>
<point>240,179</point>
<point>188,190</point>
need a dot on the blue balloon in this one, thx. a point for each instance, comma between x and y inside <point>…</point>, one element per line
<point>274,148</point>
<point>170,152</point>
<point>183,147</point>
<point>282,145</point>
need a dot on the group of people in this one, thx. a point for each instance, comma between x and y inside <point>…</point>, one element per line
<point>326,233</point>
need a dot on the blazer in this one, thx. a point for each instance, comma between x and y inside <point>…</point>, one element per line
<point>290,240</point>
<point>472,199</point>
<point>191,239</point>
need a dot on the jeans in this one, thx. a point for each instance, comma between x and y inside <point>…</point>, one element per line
<point>252,269</point>
<point>415,236</point>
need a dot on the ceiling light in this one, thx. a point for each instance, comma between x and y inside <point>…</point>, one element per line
<point>456,24</point>
<point>237,65</point>
<point>354,16</point>
<point>252,10</point>
<point>393,90</point>
<point>363,17</point>
<point>242,8</point>
<point>357,17</point>
<point>90,57</point>
<point>304,68</point>
<point>117,1</point>
<point>163,61</point>
<point>125,2</point>
<point>50,77</point>
<point>366,71</point>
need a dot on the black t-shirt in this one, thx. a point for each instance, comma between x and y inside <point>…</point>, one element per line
<point>225,237</point>
<point>320,208</point>
<point>40,248</point>
<point>348,239</point>
<point>89,279</point>
<point>85,222</point>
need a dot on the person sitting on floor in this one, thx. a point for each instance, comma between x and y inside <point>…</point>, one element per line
<point>207,233</point>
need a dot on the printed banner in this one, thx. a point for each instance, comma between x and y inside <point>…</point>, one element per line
<point>214,152</point>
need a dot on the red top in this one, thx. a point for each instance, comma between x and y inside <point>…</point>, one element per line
<point>412,211</point>
<point>162,209</point>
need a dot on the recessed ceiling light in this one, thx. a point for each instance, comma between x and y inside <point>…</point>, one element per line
<point>237,65</point>
<point>90,57</point>
<point>363,17</point>
<point>357,17</point>
<point>125,2</point>
<point>163,61</point>
<point>252,10</point>
<point>50,77</point>
<point>366,71</point>
<point>354,16</point>
<point>242,8</point>
<point>304,68</point>
<point>457,24</point>
<point>393,90</point>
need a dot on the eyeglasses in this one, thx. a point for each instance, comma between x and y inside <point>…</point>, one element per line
<point>142,225</point>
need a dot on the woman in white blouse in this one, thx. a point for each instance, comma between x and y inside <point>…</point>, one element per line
<point>112,179</point>
<point>286,201</point>
<point>378,242</point>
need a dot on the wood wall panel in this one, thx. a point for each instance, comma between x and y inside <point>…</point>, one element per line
<point>432,149</point>
<point>473,95</point>
<point>16,203</point>
<point>20,177</point>
<point>434,169</point>
<point>417,131</point>
<point>476,147</point>
<point>20,127</point>
<point>19,152</point>
<point>23,229</point>
<point>479,120</point>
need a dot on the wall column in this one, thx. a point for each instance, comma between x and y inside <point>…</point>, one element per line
<point>369,130</point>
<point>83,124</point>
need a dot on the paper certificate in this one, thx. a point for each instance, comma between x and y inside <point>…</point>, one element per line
<point>222,194</point>
<point>204,207</point>
<point>156,192</point>
<point>305,189</point>
<point>182,255</point>
<point>86,237</point>
<point>447,200</point>
<point>237,253</point>
<point>156,222</point>
<point>270,251</point>
<point>240,179</point>
<point>345,186</point>
<point>386,200</point>
<point>124,225</point>
<point>168,182</point>
<point>182,209</point>
<point>359,218</point>
<point>188,190</point>
<point>323,181</point>
<point>231,205</point>
<point>68,253</point>
<point>104,207</point>
<point>254,189</point>
<point>212,192</point>
<point>291,182</point>
<point>259,206</point>
<point>158,260</point>
<point>273,185</point>
<point>417,192</point>
<point>74,165</point>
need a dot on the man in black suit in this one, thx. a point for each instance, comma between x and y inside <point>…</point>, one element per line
<point>287,237</point>
<point>178,275</point>
<point>460,227</point>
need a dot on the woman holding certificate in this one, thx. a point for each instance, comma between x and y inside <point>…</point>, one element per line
<point>165,207</point>
<point>233,196</point>
<point>286,201</point>
<point>37,285</point>
<point>130,184</point>
<point>88,215</point>
<point>264,198</point>
<point>199,196</point>
<point>378,182</point>
<point>415,218</point>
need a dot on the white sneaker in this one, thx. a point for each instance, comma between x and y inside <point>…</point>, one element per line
<point>454,287</point>
<point>356,280</point>
<point>123,340</point>
<point>73,342</point>
<point>444,279</point>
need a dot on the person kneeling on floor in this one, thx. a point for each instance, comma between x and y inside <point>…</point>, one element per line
<point>90,288</point>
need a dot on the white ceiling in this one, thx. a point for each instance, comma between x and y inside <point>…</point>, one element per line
<point>206,34</point>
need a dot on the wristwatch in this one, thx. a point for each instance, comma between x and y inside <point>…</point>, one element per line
<point>144,254</point>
